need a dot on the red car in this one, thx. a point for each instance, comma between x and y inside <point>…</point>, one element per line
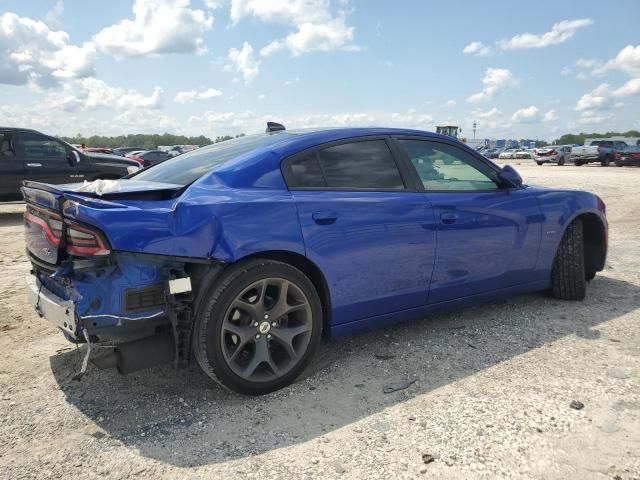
<point>107,151</point>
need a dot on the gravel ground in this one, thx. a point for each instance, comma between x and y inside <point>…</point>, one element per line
<point>492,394</point>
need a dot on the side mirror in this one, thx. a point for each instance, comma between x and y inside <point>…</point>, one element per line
<point>509,177</point>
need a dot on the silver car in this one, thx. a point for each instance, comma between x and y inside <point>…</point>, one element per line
<point>553,154</point>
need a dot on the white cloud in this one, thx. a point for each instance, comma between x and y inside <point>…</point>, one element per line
<point>627,60</point>
<point>631,88</point>
<point>291,82</point>
<point>190,96</point>
<point>213,4</point>
<point>244,62</point>
<point>285,12</point>
<point>89,94</point>
<point>550,116</point>
<point>491,119</point>
<point>158,26</point>
<point>599,98</point>
<point>451,103</point>
<point>587,62</point>
<point>477,48</point>
<point>53,17</point>
<point>560,32</point>
<point>31,53</point>
<point>317,30</point>
<point>495,80</point>
<point>593,117</point>
<point>313,37</point>
<point>526,115</point>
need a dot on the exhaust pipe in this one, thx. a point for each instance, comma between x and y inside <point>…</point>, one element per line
<point>139,354</point>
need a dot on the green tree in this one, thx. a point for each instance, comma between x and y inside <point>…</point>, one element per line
<point>145,141</point>
<point>579,138</point>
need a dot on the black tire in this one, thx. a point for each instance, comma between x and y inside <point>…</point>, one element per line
<point>540,163</point>
<point>588,276</point>
<point>568,277</point>
<point>618,164</point>
<point>605,161</point>
<point>207,335</point>
<point>561,162</point>
<point>577,163</point>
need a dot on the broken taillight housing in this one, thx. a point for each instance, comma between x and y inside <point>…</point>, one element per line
<point>49,222</point>
<point>85,241</point>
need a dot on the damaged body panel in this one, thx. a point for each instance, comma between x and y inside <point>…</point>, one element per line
<point>242,254</point>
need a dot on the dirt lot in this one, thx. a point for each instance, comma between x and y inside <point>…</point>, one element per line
<point>491,398</point>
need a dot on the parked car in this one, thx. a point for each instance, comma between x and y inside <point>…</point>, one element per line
<point>150,157</point>
<point>122,151</point>
<point>30,155</point>
<point>559,154</point>
<point>628,156</point>
<point>508,154</point>
<point>602,151</point>
<point>249,250</point>
<point>524,153</point>
<point>106,151</point>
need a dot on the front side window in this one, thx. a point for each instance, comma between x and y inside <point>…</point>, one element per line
<point>365,165</point>
<point>444,167</point>
<point>39,146</point>
<point>6,145</point>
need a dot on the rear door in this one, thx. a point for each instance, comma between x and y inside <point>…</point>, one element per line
<point>11,168</point>
<point>46,159</point>
<point>364,225</point>
<point>488,236</point>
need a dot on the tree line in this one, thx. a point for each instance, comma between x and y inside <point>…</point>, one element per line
<point>144,141</point>
<point>579,138</point>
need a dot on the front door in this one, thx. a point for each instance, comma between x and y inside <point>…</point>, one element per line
<point>487,236</point>
<point>11,168</point>
<point>46,159</point>
<point>372,238</point>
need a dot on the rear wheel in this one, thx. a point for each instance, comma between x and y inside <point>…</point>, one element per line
<point>539,163</point>
<point>577,163</point>
<point>561,161</point>
<point>568,277</point>
<point>605,161</point>
<point>259,327</point>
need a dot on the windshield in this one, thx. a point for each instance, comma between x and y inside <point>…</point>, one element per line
<point>187,168</point>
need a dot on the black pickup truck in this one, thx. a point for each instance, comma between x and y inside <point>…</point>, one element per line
<point>30,155</point>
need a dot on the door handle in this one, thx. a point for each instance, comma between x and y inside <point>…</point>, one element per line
<point>34,164</point>
<point>324,218</point>
<point>448,218</point>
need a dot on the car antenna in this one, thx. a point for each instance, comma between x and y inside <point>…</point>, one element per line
<point>274,127</point>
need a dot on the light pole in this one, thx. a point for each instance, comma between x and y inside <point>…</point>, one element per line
<point>475,125</point>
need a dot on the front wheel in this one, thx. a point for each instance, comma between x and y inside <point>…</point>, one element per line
<point>577,163</point>
<point>605,161</point>
<point>259,327</point>
<point>568,277</point>
<point>540,163</point>
<point>561,161</point>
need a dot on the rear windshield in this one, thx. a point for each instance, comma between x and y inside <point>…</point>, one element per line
<point>187,168</point>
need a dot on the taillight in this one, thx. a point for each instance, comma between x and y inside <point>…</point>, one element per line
<point>552,152</point>
<point>618,155</point>
<point>84,241</point>
<point>49,222</point>
<point>138,159</point>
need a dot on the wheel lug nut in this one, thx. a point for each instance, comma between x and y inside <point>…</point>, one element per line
<point>269,336</point>
<point>255,324</point>
<point>274,324</point>
<point>266,317</point>
<point>258,336</point>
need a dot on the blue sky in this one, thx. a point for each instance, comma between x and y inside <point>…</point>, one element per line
<point>213,67</point>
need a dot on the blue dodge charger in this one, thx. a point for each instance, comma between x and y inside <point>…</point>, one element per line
<point>243,254</point>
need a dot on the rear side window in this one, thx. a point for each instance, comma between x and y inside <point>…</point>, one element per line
<point>358,165</point>
<point>187,168</point>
